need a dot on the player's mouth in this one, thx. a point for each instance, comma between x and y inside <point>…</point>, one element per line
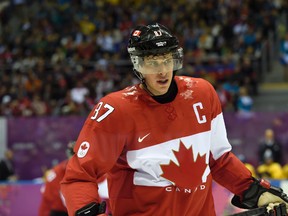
<point>162,82</point>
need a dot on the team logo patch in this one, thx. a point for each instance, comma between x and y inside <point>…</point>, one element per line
<point>136,33</point>
<point>51,175</point>
<point>83,149</point>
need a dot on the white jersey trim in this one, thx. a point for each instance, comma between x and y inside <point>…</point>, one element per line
<point>147,161</point>
<point>219,140</point>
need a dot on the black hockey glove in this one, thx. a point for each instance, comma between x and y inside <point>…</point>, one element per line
<point>92,209</point>
<point>260,193</point>
<point>277,210</point>
<point>270,210</point>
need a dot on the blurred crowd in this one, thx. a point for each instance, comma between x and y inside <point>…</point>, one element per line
<point>59,57</point>
<point>271,163</point>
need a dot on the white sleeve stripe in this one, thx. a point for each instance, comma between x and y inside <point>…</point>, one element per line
<point>219,140</point>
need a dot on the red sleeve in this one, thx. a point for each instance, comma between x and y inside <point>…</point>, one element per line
<point>231,173</point>
<point>44,209</point>
<point>226,168</point>
<point>51,195</point>
<point>96,151</point>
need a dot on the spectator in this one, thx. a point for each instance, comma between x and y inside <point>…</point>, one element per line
<point>285,171</point>
<point>270,169</point>
<point>79,92</point>
<point>249,77</point>
<point>244,103</point>
<point>270,144</point>
<point>32,85</point>
<point>224,96</point>
<point>284,55</point>
<point>38,106</point>
<point>7,172</point>
<point>104,85</point>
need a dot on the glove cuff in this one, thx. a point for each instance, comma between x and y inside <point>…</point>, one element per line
<point>92,209</point>
<point>251,195</point>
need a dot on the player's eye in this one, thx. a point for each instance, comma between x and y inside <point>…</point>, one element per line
<point>153,64</point>
<point>168,61</point>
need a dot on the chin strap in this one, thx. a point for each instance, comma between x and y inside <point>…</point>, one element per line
<point>142,81</point>
<point>139,76</point>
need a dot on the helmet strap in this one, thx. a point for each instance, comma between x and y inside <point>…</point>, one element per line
<point>168,97</point>
<point>139,76</point>
<point>142,80</point>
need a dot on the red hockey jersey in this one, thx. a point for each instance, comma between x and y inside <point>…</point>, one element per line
<point>51,195</point>
<point>160,158</point>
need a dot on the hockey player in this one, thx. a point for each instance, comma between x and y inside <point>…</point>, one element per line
<point>161,142</point>
<point>52,201</point>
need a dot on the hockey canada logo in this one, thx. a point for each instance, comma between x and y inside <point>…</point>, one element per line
<point>136,33</point>
<point>83,149</point>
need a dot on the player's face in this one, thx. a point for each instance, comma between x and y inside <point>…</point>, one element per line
<point>158,73</point>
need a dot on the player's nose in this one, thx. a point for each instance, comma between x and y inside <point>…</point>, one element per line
<point>162,70</point>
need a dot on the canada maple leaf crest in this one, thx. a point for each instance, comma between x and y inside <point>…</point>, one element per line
<point>189,172</point>
<point>83,147</point>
